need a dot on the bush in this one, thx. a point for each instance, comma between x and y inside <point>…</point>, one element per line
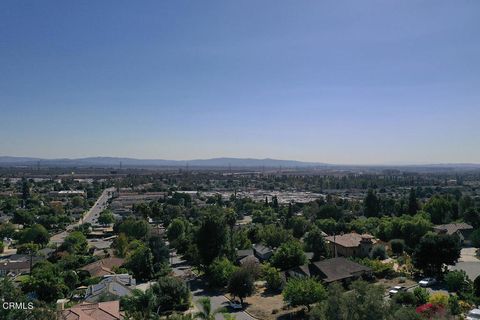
<point>421,295</point>
<point>272,276</point>
<point>380,269</point>
<point>378,252</point>
<point>398,246</point>
<point>438,298</point>
<point>405,298</point>
<point>457,280</point>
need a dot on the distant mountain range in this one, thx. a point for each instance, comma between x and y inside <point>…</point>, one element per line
<point>132,162</point>
<point>114,162</point>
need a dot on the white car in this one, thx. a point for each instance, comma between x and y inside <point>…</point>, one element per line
<point>236,305</point>
<point>427,282</point>
<point>396,290</point>
<point>473,314</point>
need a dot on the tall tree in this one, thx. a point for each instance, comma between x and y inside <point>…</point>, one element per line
<point>315,243</point>
<point>412,202</point>
<point>241,284</point>
<point>371,205</point>
<point>211,236</point>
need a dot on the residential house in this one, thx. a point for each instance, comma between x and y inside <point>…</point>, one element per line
<point>330,270</point>
<point>103,267</point>
<point>112,286</point>
<point>93,311</point>
<point>350,244</point>
<point>461,230</point>
<point>14,268</point>
<point>262,252</point>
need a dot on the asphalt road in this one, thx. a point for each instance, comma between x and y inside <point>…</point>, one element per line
<point>197,287</point>
<point>91,216</point>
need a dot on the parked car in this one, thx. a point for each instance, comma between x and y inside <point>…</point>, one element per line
<point>473,314</point>
<point>236,305</point>
<point>396,290</point>
<point>427,282</point>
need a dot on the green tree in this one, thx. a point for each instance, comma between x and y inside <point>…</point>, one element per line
<point>398,246</point>
<point>106,217</point>
<point>476,286</point>
<point>241,284</point>
<point>207,313</point>
<point>299,226</point>
<point>371,204</point>
<point>75,243</point>
<point>272,276</point>
<point>439,208</point>
<point>378,252</point>
<point>273,235</point>
<point>172,294</point>
<point>159,250</point>
<point>176,229</point>
<point>220,271</point>
<point>45,282</point>
<point>434,251</point>
<point>140,262</point>
<point>413,206</point>
<point>289,255</point>
<point>121,245</point>
<point>36,234</point>
<point>475,238</point>
<point>140,305</point>
<point>303,291</point>
<point>457,281</point>
<point>365,301</point>
<point>314,242</point>
<point>211,236</point>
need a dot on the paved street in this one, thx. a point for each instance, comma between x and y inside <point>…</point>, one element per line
<point>90,217</point>
<point>468,262</point>
<point>197,287</point>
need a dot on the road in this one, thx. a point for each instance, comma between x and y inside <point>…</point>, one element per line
<point>89,217</point>
<point>197,287</point>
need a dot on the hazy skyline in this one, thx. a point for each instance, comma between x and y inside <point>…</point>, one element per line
<point>351,82</point>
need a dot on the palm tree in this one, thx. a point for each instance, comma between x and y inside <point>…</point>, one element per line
<point>141,305</point>
<point>207,313</point>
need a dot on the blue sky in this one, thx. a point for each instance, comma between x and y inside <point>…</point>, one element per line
<point>329,81</point>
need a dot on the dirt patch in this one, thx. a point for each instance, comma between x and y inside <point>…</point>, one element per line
<point>266,305</point>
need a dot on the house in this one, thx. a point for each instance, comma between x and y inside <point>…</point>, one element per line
<point>351,244</point>
<point>112,286</point>
<point>461,230</point>
<point>14,268</point>
<point>45,252</point>
<point>262,252</point>
<point>244,253</point>
<point>103,267</point>
<point>330,270</point>
<point>339,269</point>
<point>92,311</point>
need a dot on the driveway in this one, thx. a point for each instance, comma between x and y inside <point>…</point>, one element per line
<point>468,262</point>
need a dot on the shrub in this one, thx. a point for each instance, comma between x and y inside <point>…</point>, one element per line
<point>378,252</point>
<point>398,246</point>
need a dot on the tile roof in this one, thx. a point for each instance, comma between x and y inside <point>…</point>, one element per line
<point>93,311</point>
<point>103,267</point>
<point>451,228</point>
<point>349,240</point>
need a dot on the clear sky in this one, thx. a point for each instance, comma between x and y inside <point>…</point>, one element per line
<point>328,81</point>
